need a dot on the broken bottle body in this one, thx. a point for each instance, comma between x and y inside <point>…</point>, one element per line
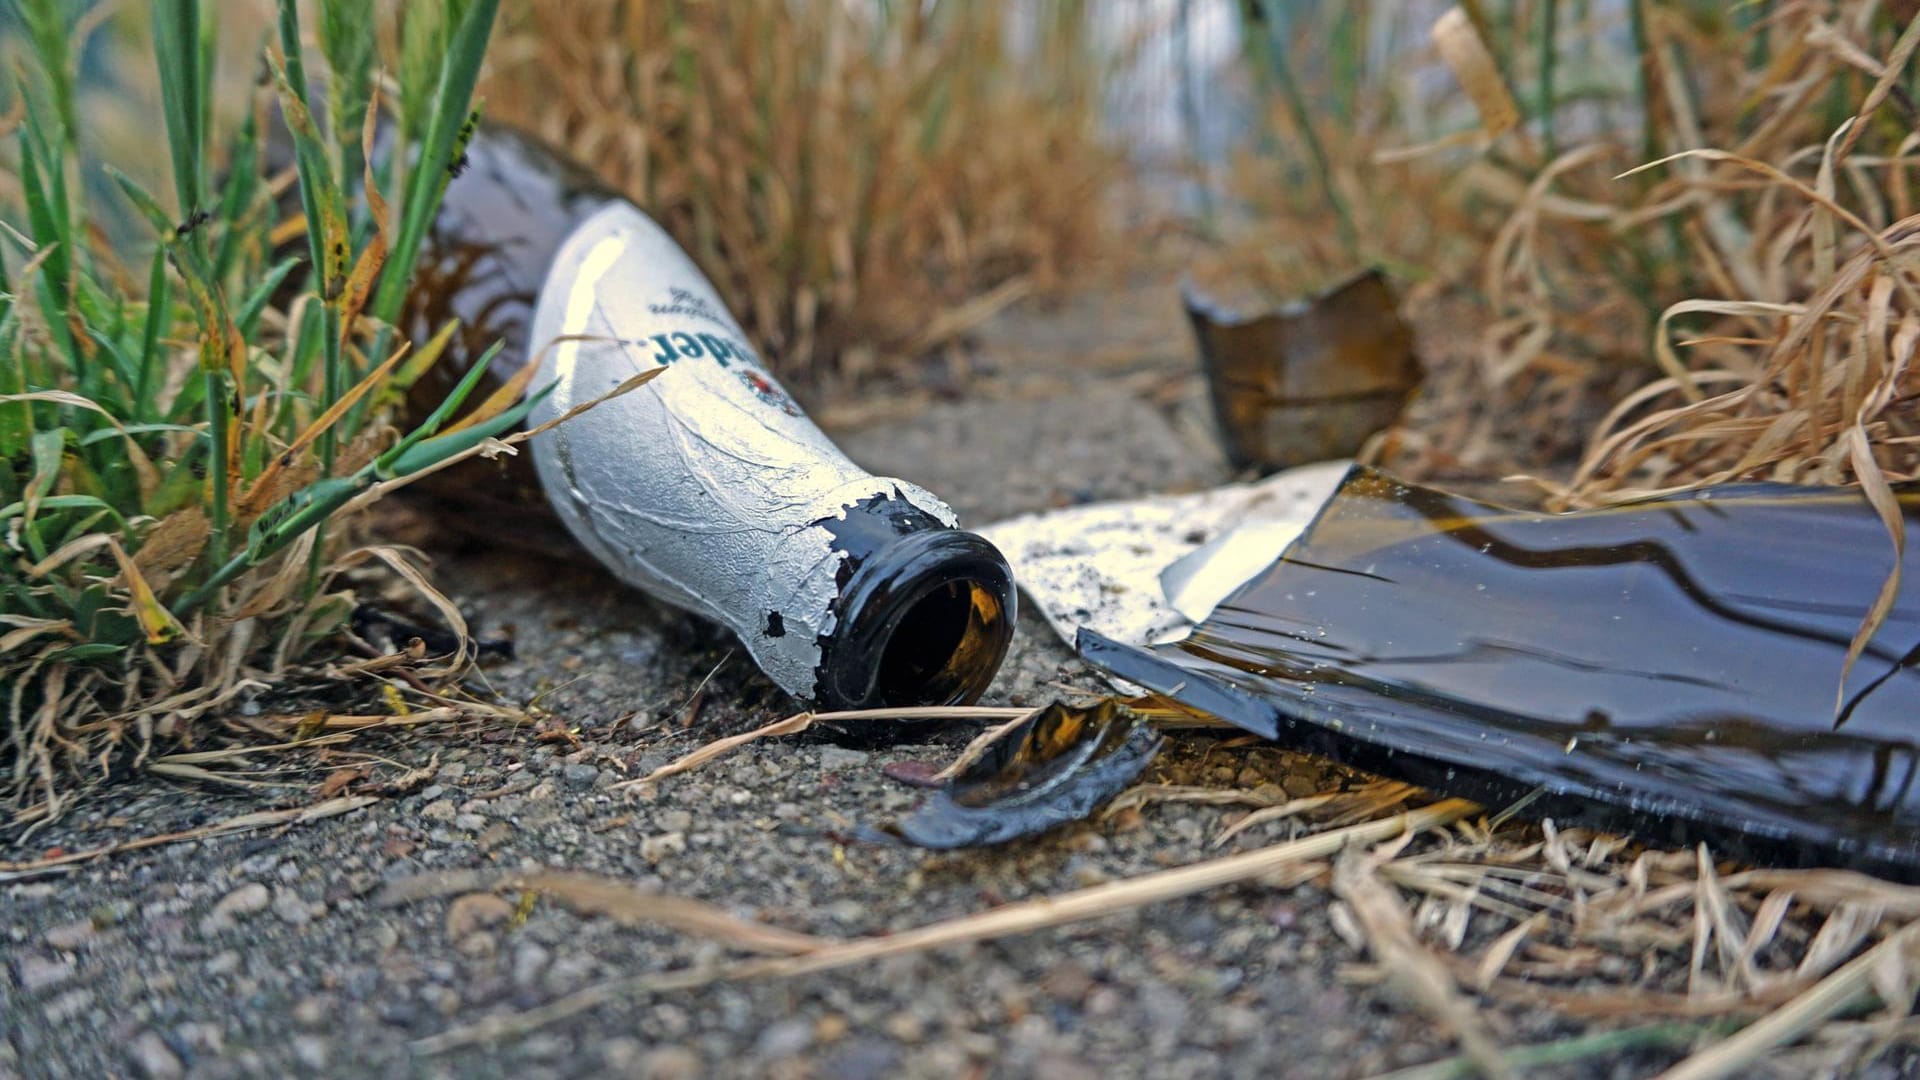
<point>708,487</point>
<point>1675,667</point>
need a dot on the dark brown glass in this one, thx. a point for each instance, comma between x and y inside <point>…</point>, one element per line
<point>1669,667</point>
<point>501,223</point>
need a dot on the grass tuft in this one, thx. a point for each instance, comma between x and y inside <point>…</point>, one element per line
<point>173,443</point>
<point>1743,308</point>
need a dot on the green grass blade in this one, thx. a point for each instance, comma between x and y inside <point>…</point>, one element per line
<point>125,369</point>
<point>423,48</point>
<point>1545,104</point>
<point>47,32</point>
<point>176,46</point>
<point>143,201</point>
<point>433,451</point>
<point>346,37</point>
<point>16,417</point>
<point>1281,66</point>
<point>255,304</point>
<point>441,412</point>
<point>243,183</point>
<point>446,126</point>
<point>159,316</point>
<point>44,190</point>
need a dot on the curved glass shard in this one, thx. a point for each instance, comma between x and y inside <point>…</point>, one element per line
<point>1668,667</point>
<point>1057,767</point>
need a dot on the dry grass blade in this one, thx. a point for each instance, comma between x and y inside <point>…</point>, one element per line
<point>887,194</point>
<point>235,753</point>
<point>1290,808</point>
<point>980,744</point>
<point>263,819</point>
<point>1147,794</point>
<point>590,894</point>
<point>1833,994</point>
<point>1827,890</point>
<point>799,722</point>
<point>1502,950</point>
<point>1367,801</point>
<point>177,771</point>
<point>792,725</point>
<point>1460,45</point>
<point>267,489</point>
<point>1018,918</point>
<point>1390,938</point>
<point>1873,481</point>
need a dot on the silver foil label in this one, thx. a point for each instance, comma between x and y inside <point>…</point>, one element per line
<point>703,487</point>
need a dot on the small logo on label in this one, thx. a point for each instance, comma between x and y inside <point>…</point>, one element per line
<point>764,389</point>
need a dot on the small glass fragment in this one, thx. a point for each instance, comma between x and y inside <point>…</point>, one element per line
<point>1058,767</point>
<point>1308,382</point>
<point>1666,667</point>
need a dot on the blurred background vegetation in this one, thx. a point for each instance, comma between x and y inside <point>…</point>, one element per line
<point>868,181</point>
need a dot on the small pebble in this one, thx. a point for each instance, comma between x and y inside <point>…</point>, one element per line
<point>783,1039</point>
<point>921,774</point>
<point>249,899</point>
<point>154,1059</point>
<point>311,1051</point>
<point>68,1006</point>
<point>312,1011</point>
<point>580,776</point>
<point>840,757</point>
<point>864,1059</point>
<point>570,972</point>
<point>670,1063</point>
<point>37,973</point>
<point>292,910</point>
<point>662,846</point>
<point>475,911</point>
<point>70,936</point>
<point>529,960</point>
<point>621,1055</point>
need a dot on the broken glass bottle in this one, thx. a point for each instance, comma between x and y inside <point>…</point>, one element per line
<point>1668,667</point>
<point>707,487</point>
<point>1059,766</point>
<point>1310,381</point>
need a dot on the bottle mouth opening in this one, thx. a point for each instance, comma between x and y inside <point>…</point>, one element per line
<point>929,620</point>
<point>946,648</point>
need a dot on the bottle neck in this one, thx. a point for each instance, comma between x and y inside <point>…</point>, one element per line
<point>924,612</point>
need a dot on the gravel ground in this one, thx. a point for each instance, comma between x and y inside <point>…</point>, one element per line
<point>265,954</point>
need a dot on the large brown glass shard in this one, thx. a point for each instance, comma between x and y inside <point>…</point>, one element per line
<point>1309,382</point>
<point>1058,767</point>
<point>1667,667</point>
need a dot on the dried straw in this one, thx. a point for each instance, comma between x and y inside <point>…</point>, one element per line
<point>862,182</point>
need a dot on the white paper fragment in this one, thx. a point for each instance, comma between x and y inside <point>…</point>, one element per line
<point>1101,566</point>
